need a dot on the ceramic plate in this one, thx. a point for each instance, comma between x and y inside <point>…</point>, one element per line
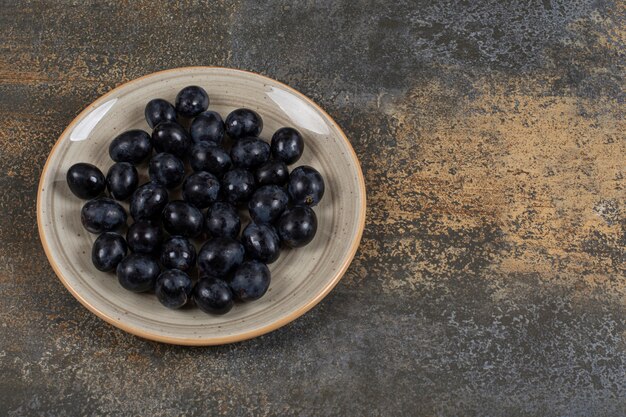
<point>300,278</point>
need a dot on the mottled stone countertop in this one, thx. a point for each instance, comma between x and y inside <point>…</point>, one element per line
<point>490,280</point>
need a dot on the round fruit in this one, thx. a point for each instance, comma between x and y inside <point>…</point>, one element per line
<point>181,218</point>
<point>222,220</point>
<point>220,256</point>
<point>207,127</point>
<point>306,186</point>
<point>166,170</point>
<point>201,189</point>
<point>238,185</point>
<point>122,180</point>
<point>250,281</point>
<point>243,122</point>
<point>267,203</point>
<point>102,215</point>
<point>85,180</point>
<point>213,296</point>
<point>131,146</point>
<point>261,242</point>
<point>205,156</point>
<point>144,237</point>
<point>191,101</point>
<point>159,110</point>
<point>272,173</point>
<point>178,253</point>
<point>287,145</point>
<point>297,226</point>
<point>172,138</point>
<point>173,288</point>
<point>148,202</point>
<point>250,152</point>
<point>107,251</point>
<point>137,272</point>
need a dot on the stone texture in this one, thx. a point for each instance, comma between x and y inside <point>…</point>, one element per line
<point>491,276</point>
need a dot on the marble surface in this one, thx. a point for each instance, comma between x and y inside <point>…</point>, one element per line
<point>491,276</point>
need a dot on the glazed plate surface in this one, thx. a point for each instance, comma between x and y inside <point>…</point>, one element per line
<point>300,278</point>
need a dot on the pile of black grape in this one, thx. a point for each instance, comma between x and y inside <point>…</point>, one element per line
<point>221,167</point>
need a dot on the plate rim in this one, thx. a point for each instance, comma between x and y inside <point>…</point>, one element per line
<point>215,340</point>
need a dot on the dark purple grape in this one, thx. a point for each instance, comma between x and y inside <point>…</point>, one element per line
<point>272,173</point>
<point>297,226</point>
<point>250,281</point>
<point>287,145</point>
<point>173,288</point>
<point>250,152</point>
<point>138,272</point>
<point>86,181</point>
<point>102,215</point>
<point>222,220</point>
<point>201,189</point>
<point>170,137</point>
<point>159,110</point>
<point>191,101</point>
<point>213,296</point>
<point>267,204</point>
<point>107,251</point>
<point>238,185</point>
<point>261,242</point>
<point>207,127</point>
<point>131,146</point>
<point>122,180</point>
<point>220,256</point>
<point>181,218</point>
<point>148,202</point>
<point>205,156</point>
<point>243,122</point>
<point>167,170</point>
<point>306,186</point>
<point>144,237</point>
<point>178,253</point>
